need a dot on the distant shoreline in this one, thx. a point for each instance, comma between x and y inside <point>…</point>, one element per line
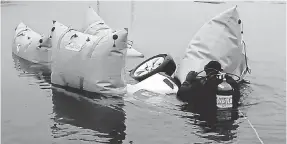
<point>196,1</point>
<point>248,1</point>
<point>5,1</point>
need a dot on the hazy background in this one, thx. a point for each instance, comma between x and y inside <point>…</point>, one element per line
<point>30,107</point>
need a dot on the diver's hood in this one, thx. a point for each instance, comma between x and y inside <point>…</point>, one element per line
<point>219,39</point>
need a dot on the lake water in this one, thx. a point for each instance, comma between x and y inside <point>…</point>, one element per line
<point>34,112</point>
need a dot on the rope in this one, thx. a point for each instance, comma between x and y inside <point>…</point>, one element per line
<point>247,68</point>
<point>132,14</point>
<point>98,7</point>
<point>130,42</point>
<point>249,122</point>
<point>244,46</point>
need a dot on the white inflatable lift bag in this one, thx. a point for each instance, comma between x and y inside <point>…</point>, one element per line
<point>219,39</point>
<point>94,25</point>
<point>26,44</point>
<point>89,62</point>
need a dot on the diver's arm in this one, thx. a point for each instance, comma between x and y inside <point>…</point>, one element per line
<point>183,91</point>
<point>187,91</point>
<point>232,82</point>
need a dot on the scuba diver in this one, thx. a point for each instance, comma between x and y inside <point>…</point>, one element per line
<point>201,92</point>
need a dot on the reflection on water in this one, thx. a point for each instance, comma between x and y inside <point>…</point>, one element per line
<point>90,111</point>
<point>86,116</point>
<point>91,116</point>
<point>214,125</point>
<point>40,72</point>
<point>166,27</point>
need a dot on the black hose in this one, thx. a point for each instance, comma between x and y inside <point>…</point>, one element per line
<point>212,74</point>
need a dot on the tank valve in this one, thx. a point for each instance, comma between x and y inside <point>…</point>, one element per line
<point>88,39</point>
<point>115,37</point>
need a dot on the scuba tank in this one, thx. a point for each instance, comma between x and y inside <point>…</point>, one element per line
<point>224,95</point>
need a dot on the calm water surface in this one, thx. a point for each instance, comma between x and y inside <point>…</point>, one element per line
<point>34,112</point>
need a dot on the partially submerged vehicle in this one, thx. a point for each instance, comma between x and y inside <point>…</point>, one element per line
<point>219,39</point>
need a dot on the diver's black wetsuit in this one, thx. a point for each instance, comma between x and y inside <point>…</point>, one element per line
<point>201,93</point>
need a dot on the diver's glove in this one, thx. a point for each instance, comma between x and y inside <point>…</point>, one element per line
<point>191,77</point>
